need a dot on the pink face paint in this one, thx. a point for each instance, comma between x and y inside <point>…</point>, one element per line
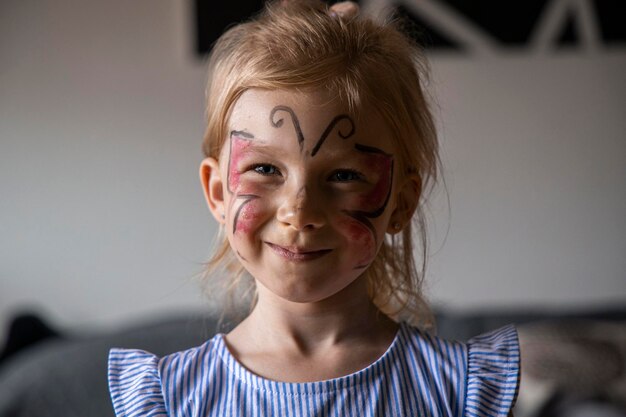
<point>374,203</point>
<point>376,199</point>
<point>238,148</point>
<point>248,210</point>
<point>361,239</point>
<point>248,213</point>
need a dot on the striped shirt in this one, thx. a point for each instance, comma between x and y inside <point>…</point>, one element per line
<point>418,375</point>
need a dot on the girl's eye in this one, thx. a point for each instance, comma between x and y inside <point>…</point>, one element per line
<point>346,175</point>
<point>266,169</point>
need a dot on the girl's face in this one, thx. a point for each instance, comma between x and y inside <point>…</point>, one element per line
<point>307,191</point>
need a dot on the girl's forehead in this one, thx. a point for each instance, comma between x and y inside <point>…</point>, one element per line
<point>311,119</point>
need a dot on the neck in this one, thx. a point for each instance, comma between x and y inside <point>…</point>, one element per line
<point>347,317</point>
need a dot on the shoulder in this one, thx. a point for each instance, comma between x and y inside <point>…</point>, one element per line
<point>493,372</point>
<point>135,383</point>
<point>142,383</point>
<point>432,352</point>
<point>477,378</point>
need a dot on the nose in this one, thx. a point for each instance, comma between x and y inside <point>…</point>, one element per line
<point>301,209</point>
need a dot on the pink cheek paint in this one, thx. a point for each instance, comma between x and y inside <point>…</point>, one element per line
<point>361,240</point>
<point>238,147</point>
<point>370,205</point>
<point>248,211</point>
<point>248,214</point>
<point>248,202</point>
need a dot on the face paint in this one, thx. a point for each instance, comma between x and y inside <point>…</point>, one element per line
<point>362,239</point>
<point>329,129</point>
<point>247,211</point>
<point>239,143</point>
<point>374,203</point>
<point>381,163</point>
<point>294,120</point>
<point>359,228</point>
<point>296,186</point>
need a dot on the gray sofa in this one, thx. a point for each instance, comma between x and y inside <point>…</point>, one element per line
<point>64,373</point>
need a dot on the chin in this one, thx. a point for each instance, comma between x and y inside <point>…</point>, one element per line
<point>300,295</point>
<point>299,291</point>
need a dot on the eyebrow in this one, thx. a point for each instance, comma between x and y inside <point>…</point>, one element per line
<point>257,145</point>
<point>370,149</point>
<point>241,133</point>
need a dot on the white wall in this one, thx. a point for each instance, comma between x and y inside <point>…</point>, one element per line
<point>102,218</point>
<point>535,156</point>
<point>101,119</point>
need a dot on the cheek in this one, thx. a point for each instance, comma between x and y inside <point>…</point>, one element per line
<point>361,238</point>
<point>247,206</point>
<point>248,214</point>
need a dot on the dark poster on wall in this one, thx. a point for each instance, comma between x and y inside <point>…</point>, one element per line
<point>460,25</point>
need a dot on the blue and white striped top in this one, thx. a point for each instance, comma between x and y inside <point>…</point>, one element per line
<point>419,375</point>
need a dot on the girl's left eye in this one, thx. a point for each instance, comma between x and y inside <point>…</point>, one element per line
<point>346,175</point>
<point>266,169</point>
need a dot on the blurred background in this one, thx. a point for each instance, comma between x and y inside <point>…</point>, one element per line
<point>101,119</point>
<point>102,219</point>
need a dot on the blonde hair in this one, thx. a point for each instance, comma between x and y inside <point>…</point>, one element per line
<point>298,44</point>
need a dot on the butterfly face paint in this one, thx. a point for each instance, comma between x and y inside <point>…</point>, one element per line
<point>371,204</point>
<point>245,196</point>
<point>308,188</point>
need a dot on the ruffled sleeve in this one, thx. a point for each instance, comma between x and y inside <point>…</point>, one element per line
<point>493,373</point>
<point>135,384</point>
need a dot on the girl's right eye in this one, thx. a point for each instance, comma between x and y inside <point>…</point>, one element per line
<point>266,169</point>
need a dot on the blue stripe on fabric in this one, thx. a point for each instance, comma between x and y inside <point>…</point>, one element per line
<point>435,364</point>
<point>167,382</point>
<point>207,367</point>
<point>220,389</point>
<point>393,374</point>
<point>299,400</point>
<point>423,394</point>
<point>255,395</point>
<point>292,405</point>
<point>187,388</point>
<point>401,381</point>
<point>426,361</point>
<point>232,380</point>
<point>410,384</point>
<point>262,399</point>
<point>456,360</point>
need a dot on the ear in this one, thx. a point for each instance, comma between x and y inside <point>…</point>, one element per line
<point>407,200</point>
<point>213,188</point>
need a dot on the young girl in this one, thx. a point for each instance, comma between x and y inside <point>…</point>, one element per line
<point>320,147</point>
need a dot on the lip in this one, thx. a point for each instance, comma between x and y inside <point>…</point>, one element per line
<point>294,253</point>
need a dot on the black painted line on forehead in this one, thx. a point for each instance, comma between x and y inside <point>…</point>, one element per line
<point>294,121</point>
<point>330,127</point>
<point>242,134</point>
<point>371,149</point>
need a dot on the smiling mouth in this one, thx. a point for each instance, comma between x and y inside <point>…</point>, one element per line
<point>297,254</point>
